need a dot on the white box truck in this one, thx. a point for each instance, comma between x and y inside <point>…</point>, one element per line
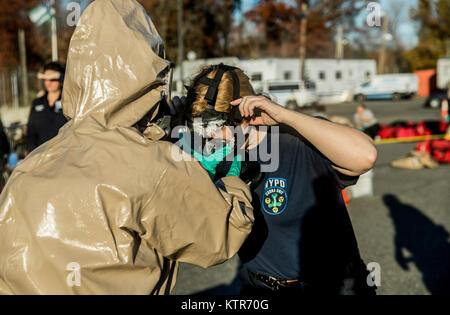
<point>388,86</point>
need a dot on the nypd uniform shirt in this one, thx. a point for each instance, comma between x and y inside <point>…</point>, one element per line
<point>44,122</point>
<point>302,229</point>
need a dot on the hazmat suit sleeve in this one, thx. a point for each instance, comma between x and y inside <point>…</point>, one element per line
<point>189,219</point>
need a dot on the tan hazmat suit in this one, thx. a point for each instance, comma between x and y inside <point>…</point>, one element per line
<point>100,209</point>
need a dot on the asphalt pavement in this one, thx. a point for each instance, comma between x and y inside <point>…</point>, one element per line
<point>404,227</point>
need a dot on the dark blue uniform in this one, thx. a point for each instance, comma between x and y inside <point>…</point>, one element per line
<point>44,122</point>
<point>302,229</point>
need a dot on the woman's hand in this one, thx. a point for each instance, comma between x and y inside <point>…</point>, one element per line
<point>270,113</point>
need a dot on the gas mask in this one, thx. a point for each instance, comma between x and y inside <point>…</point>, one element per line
<point>210,126</point>
<point>157,124</point>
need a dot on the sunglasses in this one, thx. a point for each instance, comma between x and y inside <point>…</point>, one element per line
<point>52,80</point>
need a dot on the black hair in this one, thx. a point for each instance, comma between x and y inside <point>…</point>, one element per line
<point>55,66</point>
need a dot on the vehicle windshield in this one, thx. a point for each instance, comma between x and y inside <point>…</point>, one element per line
<point>287,87</point>
<point>310,85</point>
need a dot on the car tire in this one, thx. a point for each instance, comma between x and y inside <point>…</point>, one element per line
<point>435,102</point>
<point>396,97</point>
<point>359,98</point>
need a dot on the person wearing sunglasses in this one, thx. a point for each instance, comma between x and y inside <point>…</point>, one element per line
<point>46,115</point>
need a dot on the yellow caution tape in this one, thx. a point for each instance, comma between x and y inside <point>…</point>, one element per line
<point>410,139</point>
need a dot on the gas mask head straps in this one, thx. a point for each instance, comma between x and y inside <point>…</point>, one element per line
<point>210,114</point>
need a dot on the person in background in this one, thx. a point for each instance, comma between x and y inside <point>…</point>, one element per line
<point>46,115</point>
<point>366,121</point>
<point>444,107</point>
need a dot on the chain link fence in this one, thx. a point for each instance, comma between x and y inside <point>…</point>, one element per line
<point>14,101</point>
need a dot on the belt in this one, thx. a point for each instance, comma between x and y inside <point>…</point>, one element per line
<point>276,283</point>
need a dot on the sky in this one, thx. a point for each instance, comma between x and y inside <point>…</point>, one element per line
<point>407,31</point>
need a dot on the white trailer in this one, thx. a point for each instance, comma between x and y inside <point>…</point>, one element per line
<point>335,79</point>
<point>443,73</point>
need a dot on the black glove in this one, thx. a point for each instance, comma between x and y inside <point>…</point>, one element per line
<point>177,105</point>
<point>251,172</point>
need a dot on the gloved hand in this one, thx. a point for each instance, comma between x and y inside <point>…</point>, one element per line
<point>177,105</point>
<point>236,166</point>
<point>211,162</point>
<point>251,172</point>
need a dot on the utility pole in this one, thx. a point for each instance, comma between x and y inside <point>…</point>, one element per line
<point>54,33</point>
<point>23,66</point>
<point>181,42</point>
<point>382,57</point>
<point>15,89</point>
<point>339,53</point>
<point>303,24</point>
<point>448,47</point>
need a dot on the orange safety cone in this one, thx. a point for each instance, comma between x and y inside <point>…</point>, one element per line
<point>346,197</point>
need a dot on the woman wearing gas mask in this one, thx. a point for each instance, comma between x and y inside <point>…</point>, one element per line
<point>302,240</point>
<point>101,209</point>
<point>214,130</point>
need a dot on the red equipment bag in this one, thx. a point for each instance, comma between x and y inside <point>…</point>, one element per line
<point>443,126</point>
<point>424,146</point>
<point>406,132</point>
<point>422,130</point>
<point>441,156</point>
<point>443,145</point>
<point>388,132</point>
<point>441,150</point>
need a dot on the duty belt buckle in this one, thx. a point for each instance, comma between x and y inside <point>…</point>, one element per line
<point>269,281</point>
<point>290,283</point>
<point>274,283</point>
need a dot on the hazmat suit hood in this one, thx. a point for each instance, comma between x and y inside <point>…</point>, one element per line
<point>116,69</point>
<point>101,209</point>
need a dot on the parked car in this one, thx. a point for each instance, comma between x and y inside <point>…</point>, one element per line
<point>291,94</point>
<point>435,99</point>
<point>388,86</point>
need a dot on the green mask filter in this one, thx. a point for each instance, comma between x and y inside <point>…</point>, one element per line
<point>215,162</point>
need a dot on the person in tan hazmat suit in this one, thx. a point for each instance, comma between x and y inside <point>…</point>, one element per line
<point>101,209</point>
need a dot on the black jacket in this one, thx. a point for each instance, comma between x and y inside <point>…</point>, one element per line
<point>44,122</point>
<point>4,142</point>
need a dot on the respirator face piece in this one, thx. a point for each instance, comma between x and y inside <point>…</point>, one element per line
<point>213,140</point>
<point>211,123</point>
